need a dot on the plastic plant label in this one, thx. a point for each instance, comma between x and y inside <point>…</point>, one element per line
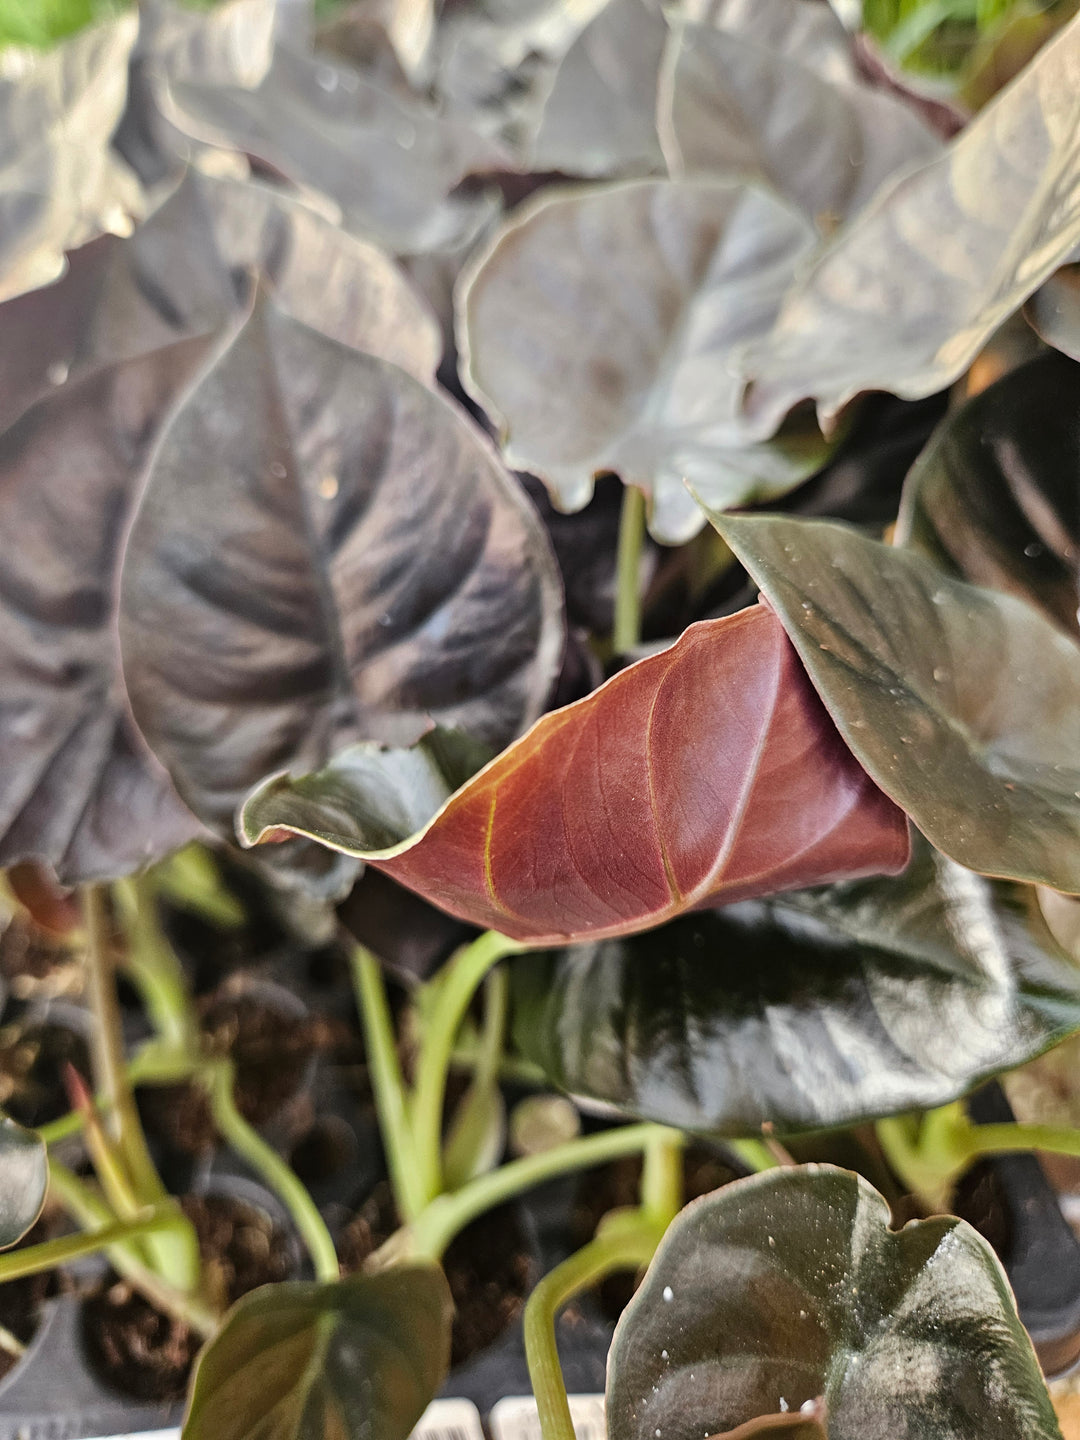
<point>516,1418</point>
<point>442,1420</point>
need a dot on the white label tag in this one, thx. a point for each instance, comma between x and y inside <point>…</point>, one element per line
<point>442,1420</point>
<point>516,1418</point>
<point>449,1420</point>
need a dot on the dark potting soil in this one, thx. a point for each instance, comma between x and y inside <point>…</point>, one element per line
<point>147,1355</point>
<point>21,1300</point>
<point>32,1063</point>
<point>488,1267</point>
<point>271,1051</point>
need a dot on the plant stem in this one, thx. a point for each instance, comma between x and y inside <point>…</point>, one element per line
<point>457,986</point>
<point>754,1154</point>
<point>272,1169</point>
<point>50,1253</point>
<point>107,1051</point>
<point>90,1211</point>
<point>155,969</point>
<point>175,1255</point>
<point>1003,1138</point>
<point>627,627</point>
<point>445,1216</point>
<point>387,1082</point>
<point>627,1247</point>
<point>662,1178</point>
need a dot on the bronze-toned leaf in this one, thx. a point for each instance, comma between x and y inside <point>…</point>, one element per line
<point>386,163</point>
<point>598,328</point>
<point>349,563</point>
<point>962,703</point>
<point>187,270</point>
<point>705,773</point>
<point>731,106</point>
<point>78,787</point>
<point>788,1289</point>
<point>599,118</point>
<point>298,1361</point>
<point>907,294</point>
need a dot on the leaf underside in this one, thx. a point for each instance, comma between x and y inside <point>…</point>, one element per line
<point>705,773</point>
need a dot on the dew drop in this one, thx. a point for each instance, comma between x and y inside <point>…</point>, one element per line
<point>940,673</point>
<point>783,1406</point>
<point>326,78</point>
<point>386,620</point>
<point>58,372</point>
<point>328,487</point>
<point>663,1355</point>
<point>669,1294</point>
<point>1034,550</point>
<point>278,470</point>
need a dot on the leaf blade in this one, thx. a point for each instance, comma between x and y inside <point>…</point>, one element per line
<point>962,703</point>
<point>789,1285</point>
<point>287,1361</point>
<point>701,773</point>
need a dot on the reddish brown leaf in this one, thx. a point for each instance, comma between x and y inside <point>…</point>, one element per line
<point>703,775</point>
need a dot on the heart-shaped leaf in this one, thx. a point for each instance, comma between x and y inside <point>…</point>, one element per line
<point>61,184</point>
<point>908,293</point>
<point>1055,311</point>
<point>599,325</point>
<point>386,163</point>
<point>299,1361</point>
<point>707,772</point>
<point>78,787</point>
<point>349,562</point>
<point>789,1287</point>
<point>186,271</point>
<point>963,704</point>
<point>993,498</point>
<point>808,1011</point>
<point>733,106</point>
<point>77,784</point>
<point>600,114</point>
<point>24,1180</point>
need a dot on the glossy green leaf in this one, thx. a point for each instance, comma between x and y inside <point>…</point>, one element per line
<point>704,773</point>
<point>963,704</point>
<point>994,497</point>
<point>60,184</point>
<point>788,1287</point>
<point>730,105</point>
<point>1055,311</point>
<point>806,1011</point>
<point>297,1361</point>
<point>385,162</point>
<point>24,1180</point>
<point>598,328</point>
<point>349,564</point>
<point>907,294</point>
